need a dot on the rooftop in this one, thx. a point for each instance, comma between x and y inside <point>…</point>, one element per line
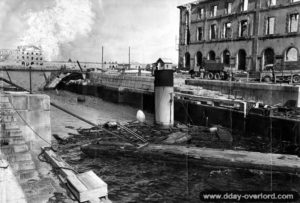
<point>192,2</point>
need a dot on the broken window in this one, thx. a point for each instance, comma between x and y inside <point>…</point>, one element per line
<point>293,22</point>
<point>227,30</point>
<point>244,5</point>
<point>201,13</point>
<point>291,54</point>
<point>271,3</point>
<point>243,28</point>
<point>213,11</point>
<point>187,29</point>
<point>199,33</point>
<point>213,31</point>
<point>228,8</point>
<point>270,26</point>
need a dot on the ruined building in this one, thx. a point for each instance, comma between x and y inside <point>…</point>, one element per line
<point>245,35</point>
<point>24,56</point>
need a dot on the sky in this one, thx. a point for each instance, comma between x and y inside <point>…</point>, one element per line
<point>77,29</point>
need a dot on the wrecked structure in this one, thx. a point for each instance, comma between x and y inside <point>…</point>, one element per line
<point>244,35</point>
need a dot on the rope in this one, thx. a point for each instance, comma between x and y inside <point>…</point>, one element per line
<point>30,126</point>
<point>54,167</point>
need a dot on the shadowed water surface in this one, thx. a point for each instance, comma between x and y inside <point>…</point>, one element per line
<point>132,180</point>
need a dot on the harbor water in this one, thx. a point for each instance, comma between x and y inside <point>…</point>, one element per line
<point>132,180</point>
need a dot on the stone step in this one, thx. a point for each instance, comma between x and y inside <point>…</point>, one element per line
<point>7,119</point>
<point>26,165</point>
<point>10,133</point>
<point>11,126</point>
<point>21,166</point>
<point>17,157</point>
<point>6,150</point>
<point>4,98</point>
<point>17,140</point>
<point>6,111</point>
<point>20,148</point>
<point>26,175</point>
<point>5,105</point>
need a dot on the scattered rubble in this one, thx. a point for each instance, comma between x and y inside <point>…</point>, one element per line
<point>177,138</point>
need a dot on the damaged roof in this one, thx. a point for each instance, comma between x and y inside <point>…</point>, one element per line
<point>191,3</point>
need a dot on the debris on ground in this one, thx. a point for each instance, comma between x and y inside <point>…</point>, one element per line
<point>110,125</point>
<point>177,138</point>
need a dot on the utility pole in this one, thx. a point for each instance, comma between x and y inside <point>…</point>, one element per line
<point>129,58</point>
<point>30,80</point>
<point>102,57</point>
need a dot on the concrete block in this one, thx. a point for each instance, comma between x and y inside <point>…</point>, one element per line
<point>23,156</point>
<point>28,175</point>
<point>8,118</point>
<point>11,126</point>
<point>4,98</point>
<point>20,148</point>
<point>7,150</point>
<point>12,140</point>
<point>17,157</point>
<point>19,102</point>
<point>5,105</point>
<point>36,102</point>
<point>26,165</point>
<point>13,133</point>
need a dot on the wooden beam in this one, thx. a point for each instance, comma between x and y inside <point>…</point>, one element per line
<point>203,156</point>
<point>86,186</point>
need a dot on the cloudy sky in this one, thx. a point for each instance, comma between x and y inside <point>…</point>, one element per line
<point>78,28</point>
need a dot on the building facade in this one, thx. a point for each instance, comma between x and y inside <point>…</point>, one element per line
<point>245,35</point>
<point>24,56</point>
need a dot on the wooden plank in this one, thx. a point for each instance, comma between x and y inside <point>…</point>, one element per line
<point>208,156</point>
<point>77,184</point>
<point>57,162</point>
<point>86,186</point>
<point>93,186</point>
<point>91,180</point>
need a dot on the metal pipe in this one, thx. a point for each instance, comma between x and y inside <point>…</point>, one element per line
<point>30,85</point>
<point>7,73</point>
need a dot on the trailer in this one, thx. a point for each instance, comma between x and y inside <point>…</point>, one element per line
<point>271,75</point>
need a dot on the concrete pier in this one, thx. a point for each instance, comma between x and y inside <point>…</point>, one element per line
<point>269,94</point>
<point>25,128</point>
<point>164,98</point>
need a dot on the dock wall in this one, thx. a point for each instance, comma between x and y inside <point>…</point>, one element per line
<point>269,94</point>
<point>25,128</point>
<point>33,111</point>
<point>123,81</point>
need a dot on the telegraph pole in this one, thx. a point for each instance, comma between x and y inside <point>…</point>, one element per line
<point>102,57</point>
<point>129,58</point>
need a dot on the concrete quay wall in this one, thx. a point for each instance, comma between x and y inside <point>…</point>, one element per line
<point>269,94</point>
<point>25,128</point>
<point>32,113</point>
<point>122,81</point>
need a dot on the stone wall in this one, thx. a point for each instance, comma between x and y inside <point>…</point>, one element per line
<point>33,110</point>
<point>269,94</point>
<point>25,128</point>
<point>122,81</point>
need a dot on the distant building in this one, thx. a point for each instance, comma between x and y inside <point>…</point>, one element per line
<point>24,56</point>
<point>246,35</point>
<point>163,63</point>
<point>30,56</point>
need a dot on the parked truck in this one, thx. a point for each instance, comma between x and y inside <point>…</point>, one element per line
<point>213,71</point>
<point>279,75</point>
